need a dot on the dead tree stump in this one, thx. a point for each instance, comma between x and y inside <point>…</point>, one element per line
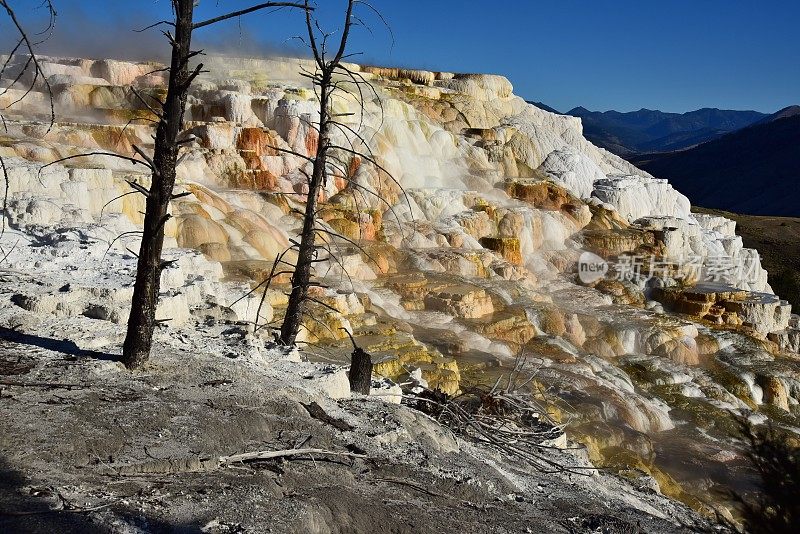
<point>360,371</point>
<point>360,368</point>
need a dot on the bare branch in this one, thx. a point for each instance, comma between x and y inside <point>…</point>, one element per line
<point>87,154</point>
<point>147,158</point>
<point>380,17</point>
<point>257,7</point>
<point>10,57</point>
<point>348,22</point>
<point>292,152</point>
<point>343,238</point>
<point>120,236</point>
<point>138,188</point>
<point>148,106</point>
<point>115,199</point>
<point>32,56</point>
<point>312,40</point>
<point>159,23</point>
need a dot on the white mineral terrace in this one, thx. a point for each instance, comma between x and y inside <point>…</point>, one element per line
<point>470,244</point>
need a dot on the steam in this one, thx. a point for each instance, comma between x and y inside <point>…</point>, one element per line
<point>78,33</point>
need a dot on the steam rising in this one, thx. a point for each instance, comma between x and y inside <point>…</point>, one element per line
<point>79,34</point>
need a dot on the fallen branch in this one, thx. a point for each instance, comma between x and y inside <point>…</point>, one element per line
<point>50,385</point>
<point>56,511</point>
<point>14,246</point>
<point>267,455</point>
<point>196,464</point>
<point>508,419</point>
<point>317,412</point>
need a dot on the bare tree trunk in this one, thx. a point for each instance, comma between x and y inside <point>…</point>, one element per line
<point>360,371</point>
<point>301,278</point>
<point>142,319</point>
<point>305,257</point>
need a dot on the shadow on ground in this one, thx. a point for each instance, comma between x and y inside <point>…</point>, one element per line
<point>24,510</point>
<point>57,345</point>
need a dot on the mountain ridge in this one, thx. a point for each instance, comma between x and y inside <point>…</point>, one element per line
<point>753,170</point>
<point>788,111</point>
<point>647,130</point>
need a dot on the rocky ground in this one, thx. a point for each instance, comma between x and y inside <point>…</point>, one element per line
<point>65,448</point>
<point>87,446</point>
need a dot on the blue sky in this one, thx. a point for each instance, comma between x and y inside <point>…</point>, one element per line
<point>674,55</point>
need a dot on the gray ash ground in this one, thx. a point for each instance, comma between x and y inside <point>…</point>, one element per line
<point>70,420</point>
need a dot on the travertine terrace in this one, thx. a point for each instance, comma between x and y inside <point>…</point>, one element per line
<point>469,248</point>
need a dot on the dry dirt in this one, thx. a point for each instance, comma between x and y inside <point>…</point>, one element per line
<point>71,419</point>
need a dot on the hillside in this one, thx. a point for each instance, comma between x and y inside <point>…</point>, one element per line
<point>461,263</point>
<point>753,171</point>
<point>785,113</point>
<point>656,131</point>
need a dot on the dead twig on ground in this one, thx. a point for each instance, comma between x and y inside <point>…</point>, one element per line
<point>506,418</point>
<point>317,412</point>
<point>48,385</point>
<point>13,513</point>
<point>197,464</point>
<point>268,455</point>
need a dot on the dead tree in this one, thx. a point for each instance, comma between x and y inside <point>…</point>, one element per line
<point>307,248</point>
<point>325,85</point>
<point>360,368</point>
<point>24,47</point>
<point>331,74</point>
<point>162,164</point>
<point>142,321</point>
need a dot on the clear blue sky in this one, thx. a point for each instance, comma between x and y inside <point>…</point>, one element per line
<point>673,55</point>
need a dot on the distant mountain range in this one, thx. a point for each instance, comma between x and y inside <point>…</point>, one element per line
<point>739,161</point>
<point>649,130</point>
<point>755,170</point>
